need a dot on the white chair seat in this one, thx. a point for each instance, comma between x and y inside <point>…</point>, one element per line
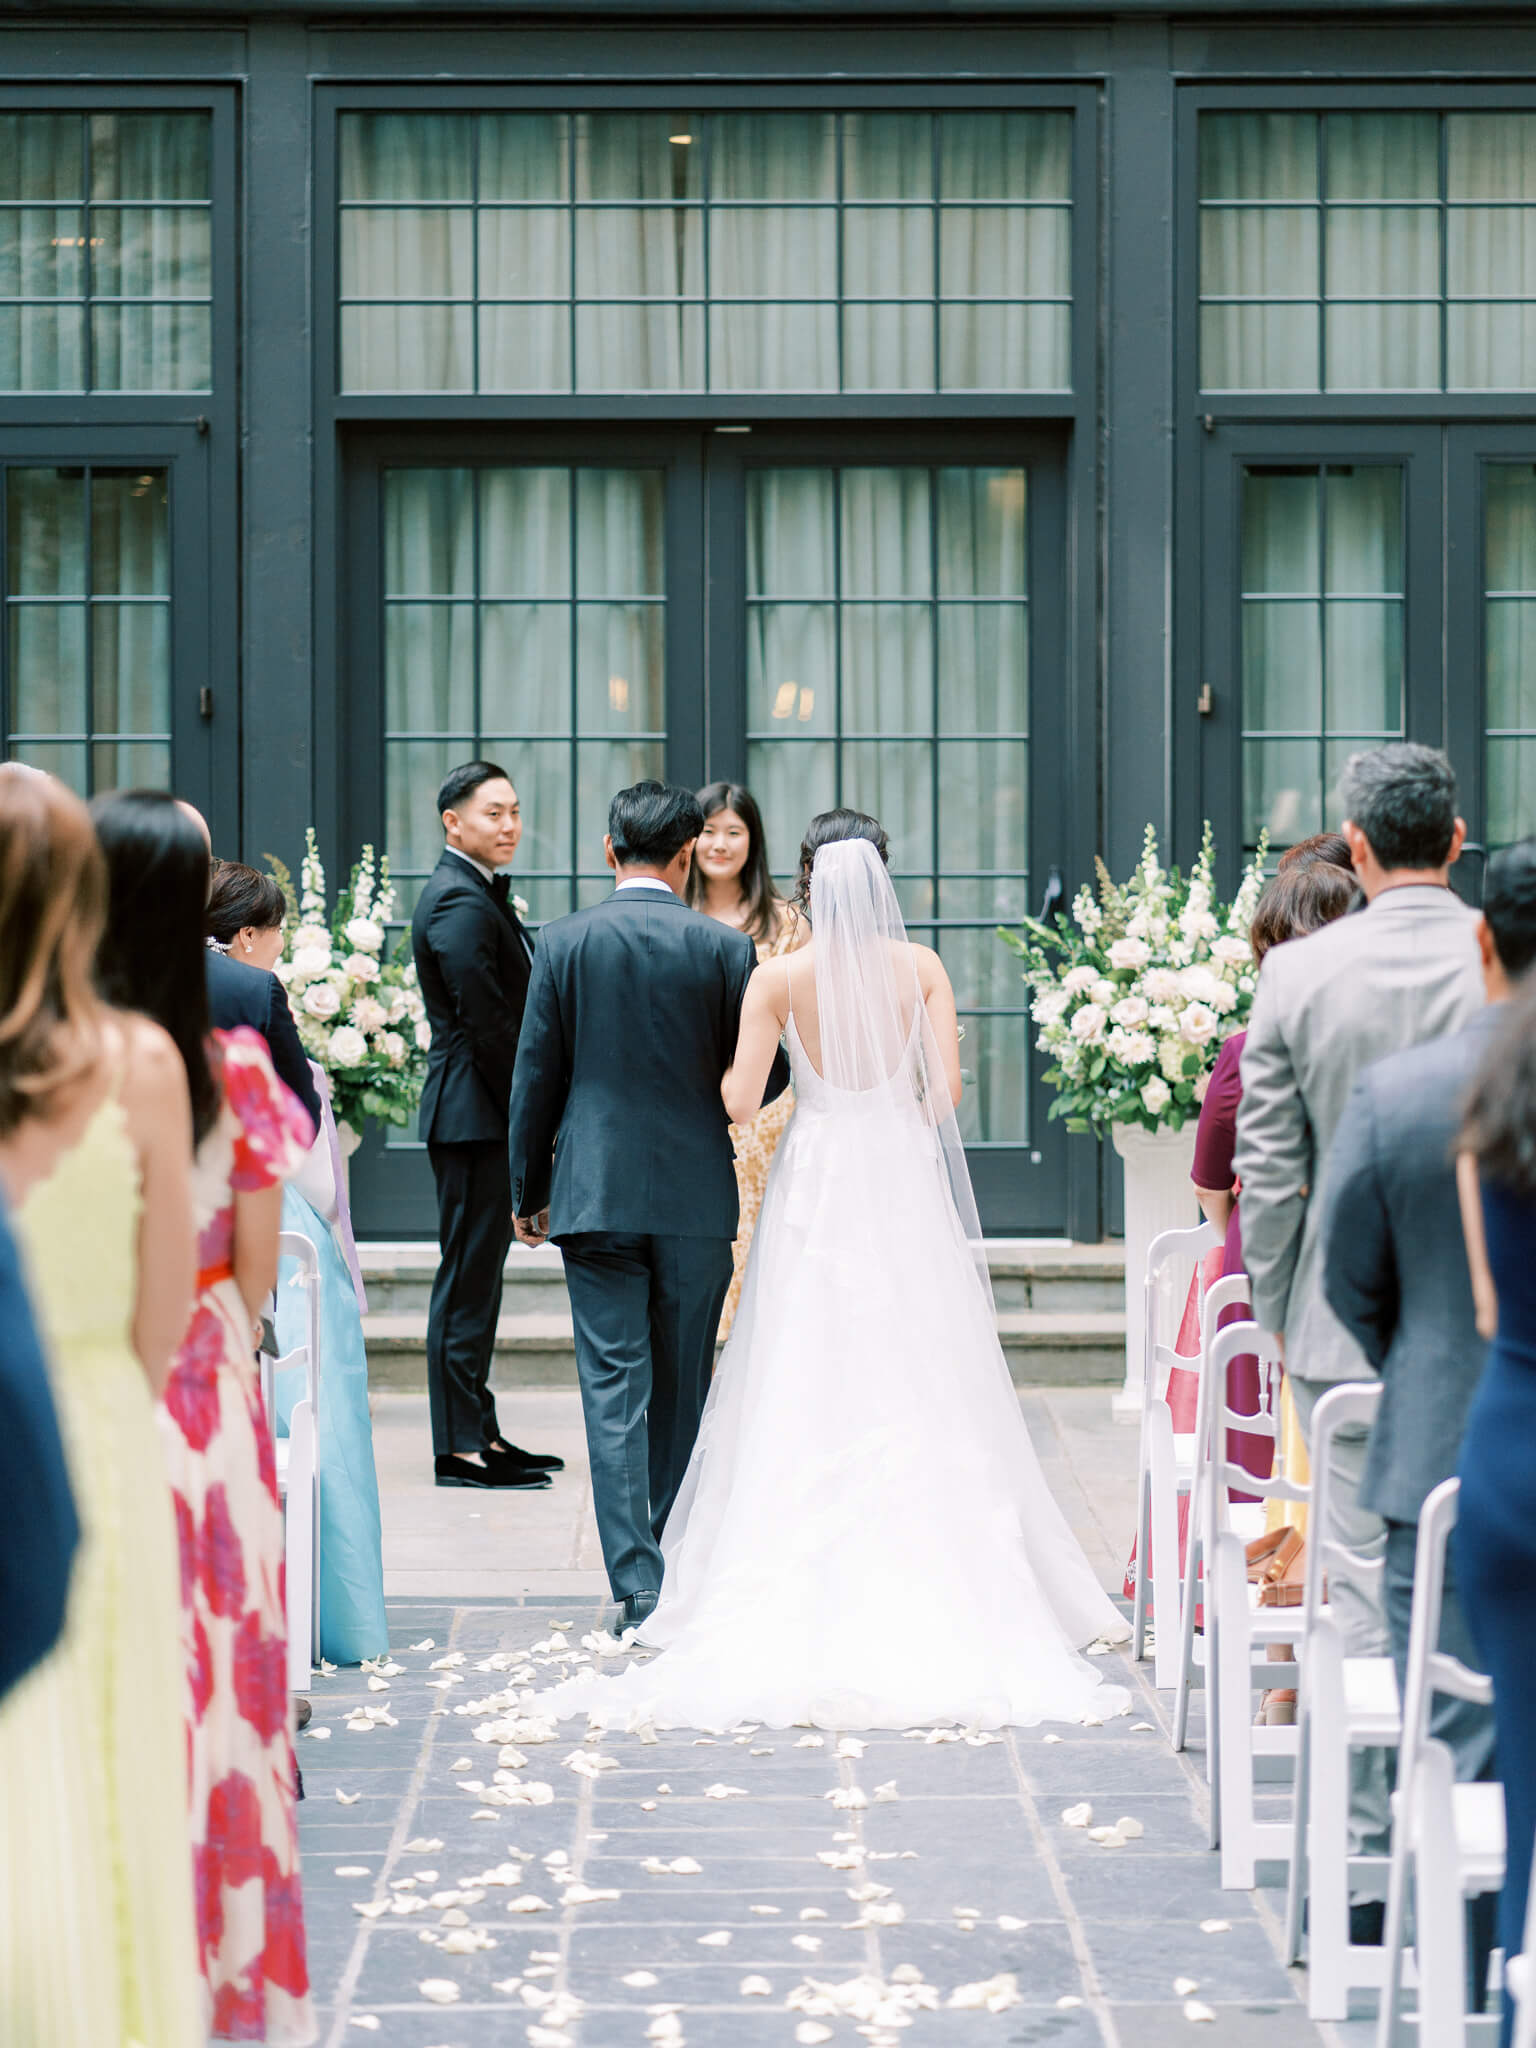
<point>1371,1702</point>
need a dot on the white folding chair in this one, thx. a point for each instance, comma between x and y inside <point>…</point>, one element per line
<point>1520,1979</point>
<point>1238,1630</point>
<point>1448,1839</point>
<point>1165,1460</point>
<point>298,1468</point>
<point>1347,1703</point>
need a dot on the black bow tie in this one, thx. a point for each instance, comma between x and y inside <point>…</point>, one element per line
<point>501,888</point>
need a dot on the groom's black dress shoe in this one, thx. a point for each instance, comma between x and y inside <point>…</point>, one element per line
<point>454,1471</point>
<point>634,1611</point>
<point>522,1461</point>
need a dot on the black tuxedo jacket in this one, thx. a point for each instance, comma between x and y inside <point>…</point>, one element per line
<point>472,960</point>
<point>250,995</point>
<point>631,1022</point>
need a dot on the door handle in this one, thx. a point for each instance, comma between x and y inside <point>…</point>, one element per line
<point>1055,893</point>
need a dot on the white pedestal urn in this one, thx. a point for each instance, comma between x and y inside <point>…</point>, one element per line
<point>1158,1196</point>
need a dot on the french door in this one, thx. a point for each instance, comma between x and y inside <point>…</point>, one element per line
<point>863,619</point>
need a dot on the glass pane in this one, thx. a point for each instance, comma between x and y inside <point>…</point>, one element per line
<point>773,348</point>
<point>1491,250</point>
<point>47,668</point>
<point>1258,156</point>
<point>792,784</point>
<point>45,532</point>
<point>620,533</point>
<point>791,546</point>
<point>68,763</point>
<point>130,554</point>
<point>999,252</point>
<point>620,666</point>
<point>998,899</point>
<point>603,768</point>
<point>773,156</point>
<point>1509,511</point>
<point>149,156</point>
<point>1394,250</point>
<point>41,156</point>
<point>639,348</point>
<point>42,348</point>
<point>887,668</point>
<point>637,252</point>
<point>1282,667</point>
<point>887,156</point>
<point>525,667</point>
<point>408,252</point>
<point>1490,156</point>
<point>983,804</point>
<point>131,668</point>
<point>41,253</point>
<point>1491,348</point>
<point>773,252</point>
<point>159,252</point>
<point>791,668</point>
<point>995,155</point>
<point>984,973</point>
<point>541,774</point>
<point>1280,530</point>
<point>638,156</point>
<point>1365,667</point>
<point>1382,156</point>
<point>886,533</point>
<point>413,771</point>
<point>1258,252</point>
<point>411,157</point>
<point>1004,348</point>
<point>893,780</point>
<point>1258,348</point>
<point>983,668</point>
<point>429,668</point>
<point>429,533</point>
<point>152,348</point>
<point>1365,528</point>
<point>1281,793</point>
<point>914,895</point>
<point>1383,348</point>
<point>888,252</point>
<point>525,348</point>
<point>139,765</point>
<point>407,348</point>
<point>983,524</point>
<point>995,1064</point>
<point>1511,790</point>
<point>524,156</point>
<point>525,534</point>
<point>888,348</point>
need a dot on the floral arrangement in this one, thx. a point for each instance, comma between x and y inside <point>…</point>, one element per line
<point>1135,992</point>
<point>360,1016</point>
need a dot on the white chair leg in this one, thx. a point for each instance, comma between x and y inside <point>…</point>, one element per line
<point>1235,1708</point>
<point>1442,1928</point>
<point>1188,1602</point>
<point>1297,1881</point>
<point>1388,2029</point>
<point>1143,1544</point>
<point>298,1544</point>
<point>1165,1546</point>
<point>1328,1832</point>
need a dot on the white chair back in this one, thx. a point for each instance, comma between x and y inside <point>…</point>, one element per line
<point>298,1466</point>
<point>1352,1405</point>
<point>1163,1301</point>
<point>1243,1340</point>
<point>1430,1669</point>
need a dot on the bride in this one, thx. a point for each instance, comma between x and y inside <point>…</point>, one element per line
<point>864,1538</point>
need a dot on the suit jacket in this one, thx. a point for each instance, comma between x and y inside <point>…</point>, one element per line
<point>472,960</point>
<point>1403,970</point>
<point>632,1018</point>
<point>249,995</point>
<point>1395,1271</point>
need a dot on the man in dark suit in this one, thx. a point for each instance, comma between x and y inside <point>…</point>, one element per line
<point>1395,1274</point>
<point>472,958</point>
<point>621,1151</point>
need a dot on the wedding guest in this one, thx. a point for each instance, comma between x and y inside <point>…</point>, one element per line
<point>1322,849</point>
<point>39,1549</point>
<point>250,1132</point>
<point>245,917</point>
<point>96,1903</point>
<point>472,959</point>
<point>730,882</point>
<point>1404,970</point>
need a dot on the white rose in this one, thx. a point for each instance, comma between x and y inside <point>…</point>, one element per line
<point>369,1015</point>
<point>1155,1096</point>
<point>1079,980</point>
<point>312,938</point>
<point>1198,1025</point>
<point>1197,982</point>
<point>1088,1024</point>
<point>1129,952</point>
<point>1232,952</point>
<point>309,961</point>
<point>520,905</point>
<point>1103,992</point>
<point>423,1036</point>
<point>363,935</point>
<point>1049,1005</point>
<point>1222,999</point>
<point>394,1048</point>
<point>349,1048</point>
<point>1129,1010</point>
<point>1160,985</point>
<point>360,967</point>
<point>1161,1018</point>
<point>321,1000</point>
<point>1246,984</point>
<point>399,1005</point>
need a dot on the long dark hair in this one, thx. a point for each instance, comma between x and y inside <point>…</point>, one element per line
<point>239,896</point>
<point>1500,1124</point>
<point>151,957</point>
<point>758,890</point>
<point>822,831</point>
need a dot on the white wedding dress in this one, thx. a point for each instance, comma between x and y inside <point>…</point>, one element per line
<point>864,1538</point>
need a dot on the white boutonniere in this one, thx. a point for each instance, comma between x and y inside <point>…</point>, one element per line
<point>520,906</point>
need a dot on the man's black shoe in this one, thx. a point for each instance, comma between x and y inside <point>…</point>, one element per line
<point>634,1611</point>
<point>524,1461</point>
<point>1367,1922</point>
<point>454,1471</point>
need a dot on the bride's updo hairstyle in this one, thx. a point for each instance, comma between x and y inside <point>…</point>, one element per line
<point>826,830</point>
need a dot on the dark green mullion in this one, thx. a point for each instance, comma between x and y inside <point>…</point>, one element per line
<point>837,162</point>
<point>87,276</point>
<point>1322,638</point>
<point>570,347</point>
<point>7,720</point>
<point>476,476</point>
<point>837,627</point>
<point>574,604</point>
<point>1322,253</point>
<point>1445,279</point>
<point>474,313</point>
<point>706,221</point>
<point>933,662</point>
<point>88,548</point>
<point>935,155</point>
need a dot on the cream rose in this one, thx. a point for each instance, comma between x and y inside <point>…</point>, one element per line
<point>1129,952</point>
<point>349,1048</point>
<point>1198,1025</point>
<point>321,1000</point>
<point>363,935</point>
<point>1155,1096</point>
<point>423,1036</point>
<point>309,961</point>
<point>1129,1010</point>
<point>1160,985</point>
<point>1088,1024</point>
<point>394,1048</point>
<point>1079,980</point>
<point>361,967</point>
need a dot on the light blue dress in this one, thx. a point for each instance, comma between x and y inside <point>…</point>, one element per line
<point>352,1622</point>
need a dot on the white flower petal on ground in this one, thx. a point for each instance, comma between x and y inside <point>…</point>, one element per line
<point>449,1663</point>
<point>1131,1829</point>
<point>586,1895</point>
<point>1050,1738</point>
<point>721,1938</point>
<point>1185,1987</point>
<point>811,1742</point>
<point>1077,1816</point>
<point>347,1798</point>
<point>725,1792</point>
<point>466,1941</point>
<point>528,1903</point>
<point>861,1894</point>
<point>813,1912</point>
<point>317,1734</point>
<point>705,1742</point>
<point>550,2037</point>
<point>426,1643</point>
<point>1137,1727</point>
<point>767,1912</point>
<point>455,1916</point>
<point>994,1994</point>
<point>462,1763</point>
<point>1010,1925</point>
<point>663,1788</point>
<point>440,1990</point>
<point>648,1806</point>
<point>1215,1926</point>
<point>850,1745</point>
<point>809,1942</point>
<point>754,1987</point>
<point>352,1870</point>
<point>368,2021</point>
<point>1066,2004</point>
<point>885,1793</point>
<point>370,1909</point>
<point>841,1859</point>
<point>847,1798</point>
<point>1107,1838</point>
<point>760,1752</point>
<point>890,1914</point>
<point>810,2032</point>
<point>423,1845</point>
<point>666,2028</point>
<point>1194,2010</point>
<point>640,1980</point>
<point>377,1684</point>
<point>586,1765</point>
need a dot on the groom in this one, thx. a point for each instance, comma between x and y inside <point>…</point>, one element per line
<point>620,1150</point>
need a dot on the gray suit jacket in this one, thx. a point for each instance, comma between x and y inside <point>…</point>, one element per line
<point>1395,1269</point>
<point>1404,970</point>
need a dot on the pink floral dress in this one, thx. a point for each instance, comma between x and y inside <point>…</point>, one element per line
<point>218,1447</point>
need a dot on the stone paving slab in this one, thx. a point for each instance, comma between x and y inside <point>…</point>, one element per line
<point>1095,1937</point>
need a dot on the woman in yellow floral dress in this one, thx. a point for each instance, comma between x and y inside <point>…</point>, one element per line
<point>730,881</point>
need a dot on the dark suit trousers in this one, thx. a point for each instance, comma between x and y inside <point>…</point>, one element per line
<point>474,1229</point>
<point>646,1312</point>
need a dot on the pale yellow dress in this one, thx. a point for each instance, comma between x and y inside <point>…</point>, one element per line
<point>96,1915</point>
<point>756,1142</point>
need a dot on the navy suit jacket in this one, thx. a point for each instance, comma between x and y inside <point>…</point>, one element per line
<point>41,1529</point>
<point>249,995</point>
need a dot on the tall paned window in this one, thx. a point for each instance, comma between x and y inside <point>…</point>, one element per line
<point>86,666</point>
<point>524,621</point>
<point>888,669</point>
<point>1367,251</point>
<point>642,251</point>
<point>105,252</point>
<point>1321,635</point>
<point>1509,649</point>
